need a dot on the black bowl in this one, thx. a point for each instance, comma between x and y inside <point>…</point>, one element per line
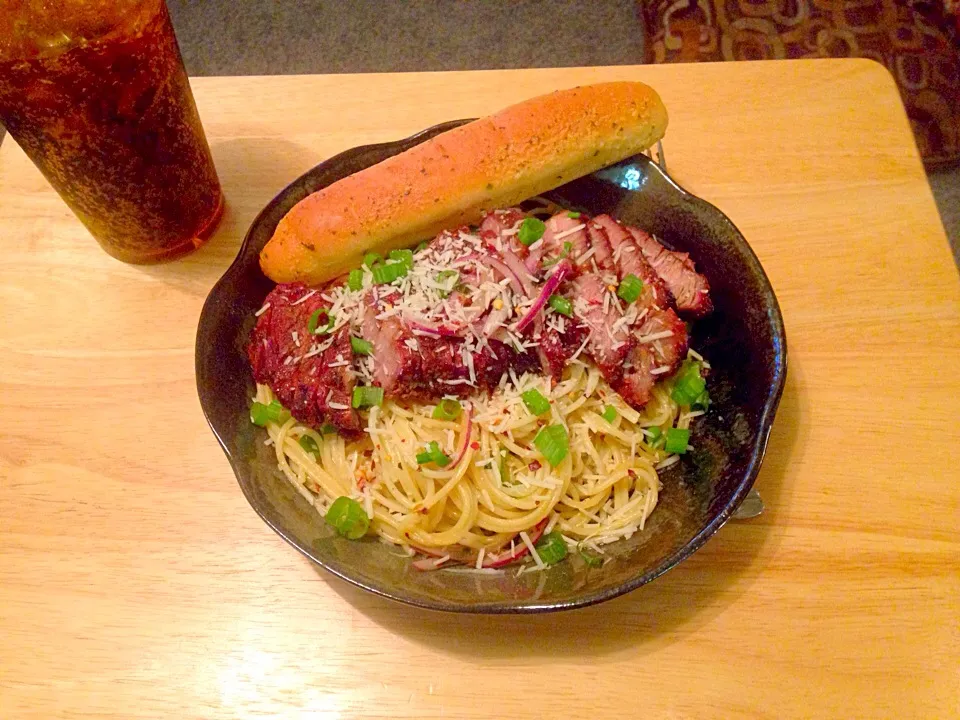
<point>744,341</point>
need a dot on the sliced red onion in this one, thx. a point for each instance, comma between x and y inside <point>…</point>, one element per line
<point>507,272</point>
<point>520,272</point>
<point>563,269</point>
<point>432,552</point>
<point>532,263</point>
<point>465,439</point>
<point>505,558</point>
<point>491,260</point>
<point>427,564</point>
<point>435,330</point>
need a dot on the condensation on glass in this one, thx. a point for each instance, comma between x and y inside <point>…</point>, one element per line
<point>95,93</point>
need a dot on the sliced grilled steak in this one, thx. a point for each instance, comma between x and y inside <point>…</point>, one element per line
<point>412,366</point>
<point>654,355</point>
<point>498,221</point>
<point>601,259</point>
<point>555,348</point>
<point>690,289</point>
<point>415,365</point>
<point>609,342</point>
<point>562,229</point>
<point>462,337</point>
<point>648,359</point>
<point>630,261</point>
<point>311,375</point>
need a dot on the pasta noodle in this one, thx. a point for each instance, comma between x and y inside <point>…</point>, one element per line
<point>602,491</point>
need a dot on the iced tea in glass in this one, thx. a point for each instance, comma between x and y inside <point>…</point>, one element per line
<point>96,94</point>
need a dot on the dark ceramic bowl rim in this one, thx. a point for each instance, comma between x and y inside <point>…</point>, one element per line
<point>587,598</point>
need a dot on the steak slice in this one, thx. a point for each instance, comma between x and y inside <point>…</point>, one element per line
<point>414,365</point>
<point>561,229</point>
<point>602,256</point>
<point>427,344</point>
<point>653,354</point>
<point>310,375</point>
<point>690,289</point>
<point>556,347</point>
<point>629,260</point>
<point>609,343</point>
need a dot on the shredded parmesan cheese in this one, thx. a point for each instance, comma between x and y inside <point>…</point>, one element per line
<point>533,551</point>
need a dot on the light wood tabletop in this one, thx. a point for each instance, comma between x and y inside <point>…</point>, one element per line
<point>135,581</point>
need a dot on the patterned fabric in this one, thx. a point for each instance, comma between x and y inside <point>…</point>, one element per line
<point>952,9</point>
<point>917,41</point>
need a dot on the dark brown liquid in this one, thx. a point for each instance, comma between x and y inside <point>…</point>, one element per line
<point>112,124</point>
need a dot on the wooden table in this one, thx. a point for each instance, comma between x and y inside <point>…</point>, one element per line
<point>136,582</point>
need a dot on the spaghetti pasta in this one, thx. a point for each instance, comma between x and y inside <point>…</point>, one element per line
<point>497,486</point>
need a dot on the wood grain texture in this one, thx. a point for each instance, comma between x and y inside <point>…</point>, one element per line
<point>136,582</point>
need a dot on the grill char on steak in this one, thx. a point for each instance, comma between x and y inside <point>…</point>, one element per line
<point>455,324</point>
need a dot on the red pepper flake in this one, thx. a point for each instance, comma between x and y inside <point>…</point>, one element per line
<point>632,474</point>
<point>534,466</point>
<point>475,445</point>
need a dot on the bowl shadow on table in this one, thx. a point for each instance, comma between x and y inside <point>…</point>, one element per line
<point>253,170</point>
<point>653,616</point>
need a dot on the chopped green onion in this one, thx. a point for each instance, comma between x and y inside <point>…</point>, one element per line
<point>573,214</point>
<point>310,445</point>
<point>355,279</point>
<point>567,247</point>
<point>531,230</point>
<point>442,278</point>
<point>371,259</point>
<point>261,414</point>
<point>447,409</point>
<point>589,557</point>
<point>561,305</point>
<point>553,443</point>
<point>386,274</point>
<point>348,518</point>
<point>328,429</point>
<point>551,548</point>
<point>535,402</point>
<point>278,413</point>
<point>655,437</point>
<point>677,440</point>
<point>367,396</point>
<point>433,454</point>
<point>504,469</point>
<point>609,413</point>
<point>258,414</point>
<point>320,322</point>
<point>403,256</point>
<point>439,457</point>
<point>361,346</point>
<point>688,385</point>
<point>630,288</point>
